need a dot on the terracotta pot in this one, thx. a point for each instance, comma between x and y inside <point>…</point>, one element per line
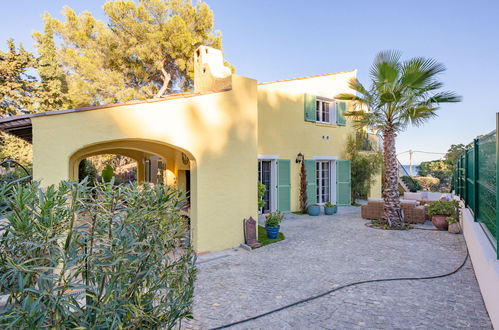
<point>438,221</point>
<point>454,228</point>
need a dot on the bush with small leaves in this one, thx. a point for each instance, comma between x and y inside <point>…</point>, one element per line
<point>108,256</point>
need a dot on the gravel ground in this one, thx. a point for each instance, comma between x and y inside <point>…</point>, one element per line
<point>320,253</point>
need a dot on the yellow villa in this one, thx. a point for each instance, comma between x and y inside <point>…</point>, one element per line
<point>215,142</point>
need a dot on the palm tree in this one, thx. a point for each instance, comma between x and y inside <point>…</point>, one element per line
<point>402,93</point>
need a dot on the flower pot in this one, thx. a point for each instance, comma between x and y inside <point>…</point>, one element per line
<point>439,221</point>
<point>330,210</point>
<point>313,210</point>
<point>272,232</point>
<point>454,228</point>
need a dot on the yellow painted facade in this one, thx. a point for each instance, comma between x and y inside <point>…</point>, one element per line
<point>212,130</point>
<point>217,136</point>
<point>283,132</point>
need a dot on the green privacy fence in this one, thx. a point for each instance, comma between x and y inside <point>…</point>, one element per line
<point>475,181</point>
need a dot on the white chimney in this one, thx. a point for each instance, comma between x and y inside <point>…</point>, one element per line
<point>210,73</point>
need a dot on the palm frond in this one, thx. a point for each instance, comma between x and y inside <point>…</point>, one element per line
<point>357,86</point>
<point>445,97</point>
<point>418,115</point>
<point>349,97</point>
<point>386,67</point>
<point>420,71</point>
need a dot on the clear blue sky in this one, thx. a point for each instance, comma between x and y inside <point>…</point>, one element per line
<point>271,40</point>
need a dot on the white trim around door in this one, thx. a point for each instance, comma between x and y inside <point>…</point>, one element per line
<point>331,164</point>
<point>270,160</point>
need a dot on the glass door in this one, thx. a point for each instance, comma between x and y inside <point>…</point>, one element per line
<point>323,175</point>
<point>264,177</point>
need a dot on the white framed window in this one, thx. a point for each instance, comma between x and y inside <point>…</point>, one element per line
<point>325,111</point>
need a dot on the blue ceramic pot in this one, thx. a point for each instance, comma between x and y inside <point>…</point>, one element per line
<point>272,232</point>
<point>330,210</point>
<point>313,210</point>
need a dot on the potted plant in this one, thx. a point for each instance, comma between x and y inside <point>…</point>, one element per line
<point>330,208</point>
<point>272,221</point>
<point>314,210</point>
<point>440,211</point>
<point>454,227</point>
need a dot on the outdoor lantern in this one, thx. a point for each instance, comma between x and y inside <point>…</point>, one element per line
<point>299,158</point>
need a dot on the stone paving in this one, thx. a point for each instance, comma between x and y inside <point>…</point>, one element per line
<point>320,253</point>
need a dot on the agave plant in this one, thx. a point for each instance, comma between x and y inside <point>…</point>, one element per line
<point>402,93</point>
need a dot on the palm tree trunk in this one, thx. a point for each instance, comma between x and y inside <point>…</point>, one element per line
<point>391,195</point>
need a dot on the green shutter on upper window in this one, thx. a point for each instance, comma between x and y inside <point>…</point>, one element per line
<point>341,108</point>
<point>283,185</point>
<point>311,182</point>
<point>343,182</point>
<point>309,107</point>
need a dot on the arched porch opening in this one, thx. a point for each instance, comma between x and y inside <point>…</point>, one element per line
<point>156,162</point>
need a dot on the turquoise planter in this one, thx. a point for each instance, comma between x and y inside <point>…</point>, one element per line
<point>314,210</point>
<point>330,210</point>
<point>272,232</point>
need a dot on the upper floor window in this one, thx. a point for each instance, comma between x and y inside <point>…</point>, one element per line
<point>324,111</point>
<point>319,109</point>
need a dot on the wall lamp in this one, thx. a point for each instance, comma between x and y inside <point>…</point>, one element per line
<point>299,158</point>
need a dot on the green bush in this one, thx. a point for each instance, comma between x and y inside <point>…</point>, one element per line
<point>428,183</point>
<point>273,219</point>
<point>328,204</point>
<point>442,208</point>
<point>107,173</point>
<point>87,170</point>
<point>412,184</point>
<point>364,165</point>
<point>109,256</point>
<point>261,192</point>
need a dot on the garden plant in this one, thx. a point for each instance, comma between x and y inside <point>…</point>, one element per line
<point>108,256</point>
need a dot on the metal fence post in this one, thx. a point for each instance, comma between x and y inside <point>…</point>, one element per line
<point>497,184</point>
<point>465,187</point>
<point>475,179</point>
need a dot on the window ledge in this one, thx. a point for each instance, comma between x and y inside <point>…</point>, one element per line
<point>318,123</point>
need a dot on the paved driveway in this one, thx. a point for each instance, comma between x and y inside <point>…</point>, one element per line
<point>320,253</point>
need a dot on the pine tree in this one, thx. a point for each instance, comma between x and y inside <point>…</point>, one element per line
<point>17,86</point>
<point>144,51</point>
<point>18,90</point>
<point>53,93</point>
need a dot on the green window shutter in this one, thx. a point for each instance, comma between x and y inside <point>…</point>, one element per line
<point>311,182</point>
<point>341,108</point>
<point>309,107</point>
<point>343,182</point>
<point>283,185</point>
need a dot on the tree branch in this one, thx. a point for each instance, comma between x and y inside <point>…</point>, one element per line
<point>166,80</point>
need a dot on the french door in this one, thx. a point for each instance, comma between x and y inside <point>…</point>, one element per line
<point>265,177</point>
<point>323,177</point>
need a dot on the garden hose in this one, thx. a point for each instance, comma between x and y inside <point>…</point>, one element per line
<point>347,286</point>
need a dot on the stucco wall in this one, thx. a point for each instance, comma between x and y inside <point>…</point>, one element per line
<point>282,130</point>
<point>485,263</point>
<point>211,129</point>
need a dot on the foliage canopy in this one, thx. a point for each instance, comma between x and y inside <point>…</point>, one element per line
<point>144,50</point>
